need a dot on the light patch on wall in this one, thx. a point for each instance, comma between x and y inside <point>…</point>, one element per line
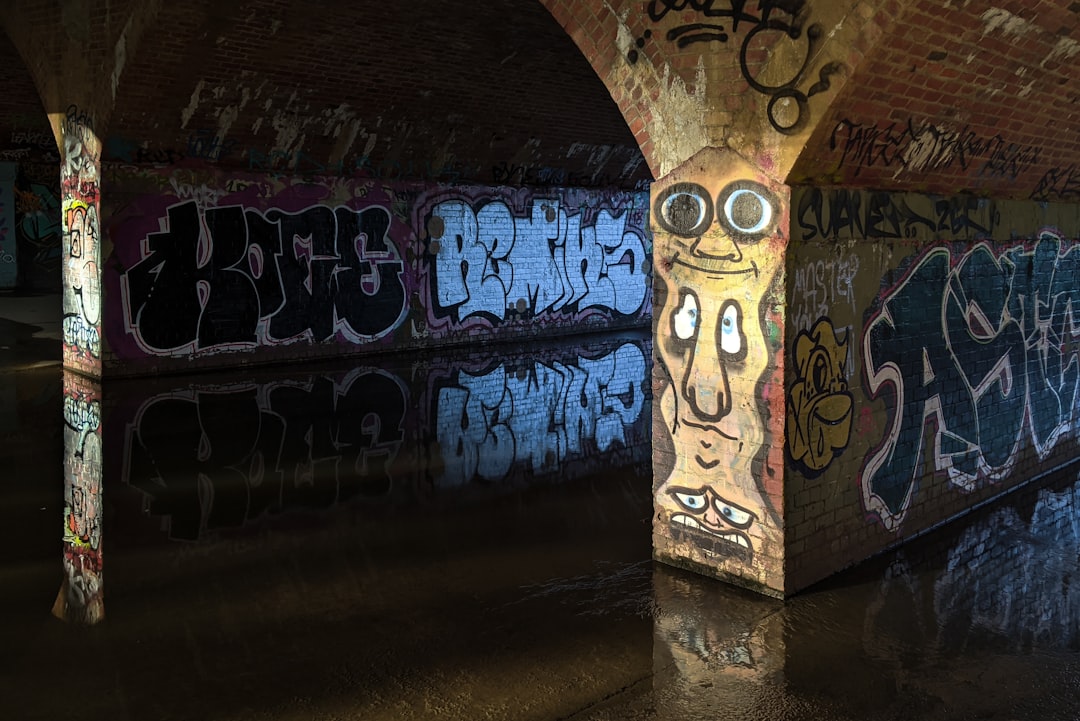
<point>681,112</point>
<point>186,113</point>
<point>1064,49</point>
<point>120,57</point>
<point>996,19</point>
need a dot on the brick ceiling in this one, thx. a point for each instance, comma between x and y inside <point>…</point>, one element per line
<point>960,96</point>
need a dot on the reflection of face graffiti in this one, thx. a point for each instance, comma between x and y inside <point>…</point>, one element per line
<point>717,249</point>
<point>82,294</point>
<point>819,404</point>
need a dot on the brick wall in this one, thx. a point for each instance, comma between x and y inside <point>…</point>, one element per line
<point>931,363</point>
<point>212,269</point>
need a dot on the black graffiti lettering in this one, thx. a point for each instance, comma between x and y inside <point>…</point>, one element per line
<point>318,274</point>
<point>1058,184</point>
<point>915,146</point>
<point>842,213</point>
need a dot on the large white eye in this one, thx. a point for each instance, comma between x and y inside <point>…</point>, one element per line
<point>684,321</point>
<point>748,209</point>
<point>690,501</point>
<point>685,209</point>
<point>731,336</point>
<point>732,514</point>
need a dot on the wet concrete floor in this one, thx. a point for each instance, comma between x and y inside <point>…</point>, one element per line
<point>467,539</point>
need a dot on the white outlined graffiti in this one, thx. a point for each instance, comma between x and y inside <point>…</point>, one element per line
<point>488,262</point>
<point>986,348</point>
<point>231,278</point>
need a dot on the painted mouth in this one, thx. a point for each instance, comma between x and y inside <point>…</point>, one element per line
<point>721,544</point>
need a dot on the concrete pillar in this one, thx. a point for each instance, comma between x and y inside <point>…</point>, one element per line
<point>720,234</point>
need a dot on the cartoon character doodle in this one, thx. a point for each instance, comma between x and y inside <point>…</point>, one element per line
<point>819,404</point>
<point>717,241</point>
<point>82,294</point>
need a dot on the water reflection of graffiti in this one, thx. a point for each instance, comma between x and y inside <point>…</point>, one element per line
<point>985,347</point>
<point>81,596</point>
<point>488,262</point>
<point>230,278</point>
<point>537,416</point>
<point>219,456</point>
<point>819,407</point>
<point>776,22</point>
<point>1012,577</point>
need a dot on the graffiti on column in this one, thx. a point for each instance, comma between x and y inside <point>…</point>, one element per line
<point>819,405</point>
<point>81,595</point>
<point>264,448</point>
<point>81,249</point>
<point>9,269</point>
<point>230,278</point>
<point>776,23</point>
<point>718,339</point>
<point>983,346</point>
<point>488,263</point>
<point>537,416</point>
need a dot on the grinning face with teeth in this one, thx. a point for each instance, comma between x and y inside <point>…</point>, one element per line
<point>718,245</point>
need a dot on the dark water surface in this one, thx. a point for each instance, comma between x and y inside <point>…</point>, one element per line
<point>469,538</point>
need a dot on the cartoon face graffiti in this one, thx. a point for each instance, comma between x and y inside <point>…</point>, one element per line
<point>82,295</point>
<point>718,249</point>
<point>819,404</point>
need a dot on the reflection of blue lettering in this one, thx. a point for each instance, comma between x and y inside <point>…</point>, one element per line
<point>538,417</point>
<point>978,348</point>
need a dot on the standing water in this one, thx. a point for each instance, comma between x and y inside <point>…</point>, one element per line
<point>467,538</point>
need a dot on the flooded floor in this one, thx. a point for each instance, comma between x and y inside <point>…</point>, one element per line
<point>464,538</point>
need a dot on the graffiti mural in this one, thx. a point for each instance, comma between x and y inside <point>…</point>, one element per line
<point>776,27</point>
<point>819,405</point>
<point>81,595</point>
<point>37,231</point>
<point>9,268</point>
<point>230,278</point>
<point>79,180</point>
<point>205,264</point>
<point>718,334</point>
<point>982,345</point>
<point>210,457</point>
<point>537,416</point>
<point>492,263</point>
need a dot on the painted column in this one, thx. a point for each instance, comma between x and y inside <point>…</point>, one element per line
<point>81,597</point>
<point>81,247</point>
<point>720,234</point>
<point>9,268</point>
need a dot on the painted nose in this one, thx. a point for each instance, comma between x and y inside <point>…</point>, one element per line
<point>718,246</point>
<point>705,386</point>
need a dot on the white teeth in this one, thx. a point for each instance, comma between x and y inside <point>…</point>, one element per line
<point>686,521</point>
